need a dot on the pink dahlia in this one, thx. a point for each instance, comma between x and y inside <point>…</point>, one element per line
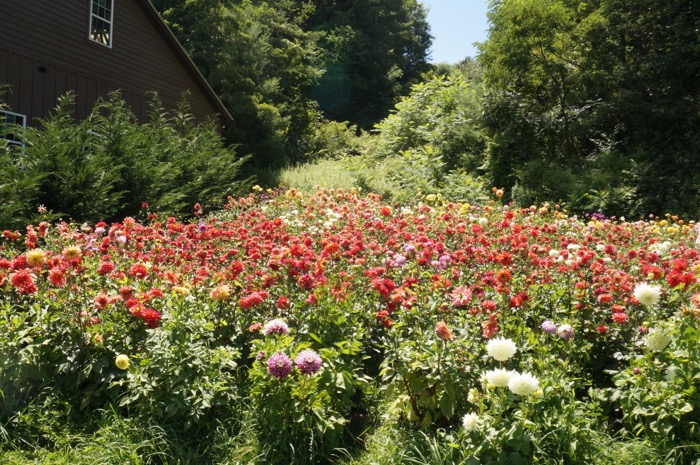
<point>275,326</point>
<point>308,362</point>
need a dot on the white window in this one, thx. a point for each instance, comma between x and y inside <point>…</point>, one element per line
<point>8,123</point>
<point>101,14</point>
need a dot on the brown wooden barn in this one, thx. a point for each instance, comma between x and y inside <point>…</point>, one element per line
<point>94,47</point>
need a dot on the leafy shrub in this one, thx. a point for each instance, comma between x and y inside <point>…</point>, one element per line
<point>432,143</point>
<point>658,393</point>
<point>179,374</point>
<point>442,113</point>
<point>107,165</point>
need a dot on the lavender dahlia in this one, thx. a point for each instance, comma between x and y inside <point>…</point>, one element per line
<point>279,365</point>
<point>308,362</point>
<point>549,327</point>
<point>565,332</point>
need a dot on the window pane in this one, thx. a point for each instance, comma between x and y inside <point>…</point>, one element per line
<point>101,21</point>
<point>99,31</point>
<point>102,8</point>
<point>8,120</point>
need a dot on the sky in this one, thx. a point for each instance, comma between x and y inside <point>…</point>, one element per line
<point>455,26</point>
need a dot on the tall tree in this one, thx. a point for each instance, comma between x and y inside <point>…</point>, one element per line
<point>650,54</point>
<point>595,102</point>
<point>374,50</point>
<point>259,59</point>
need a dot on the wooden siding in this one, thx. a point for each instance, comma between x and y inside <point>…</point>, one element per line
<point>45,51</point>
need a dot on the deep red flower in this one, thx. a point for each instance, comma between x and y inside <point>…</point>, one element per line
<point>253,299</point>
<point>383,286</point>
<point>306,281</point>
<point>101,301</point>
<point>150,317</point>
<point>283,303</point>
<point>138,271</point>
<point>488,305</point>
<point>617,308</point>
<point>126,292</point>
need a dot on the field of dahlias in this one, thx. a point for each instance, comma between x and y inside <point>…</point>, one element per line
<point>340,328</point>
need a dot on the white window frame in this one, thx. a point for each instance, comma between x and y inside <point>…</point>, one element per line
<point>3,135</point>
<point>95,16</point>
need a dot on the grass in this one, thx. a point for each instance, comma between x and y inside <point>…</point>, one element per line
<point>323,173</point>
<point>345,173</point>
<point>50,432</point>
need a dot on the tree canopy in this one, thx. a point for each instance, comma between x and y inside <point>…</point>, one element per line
<point>595,102</point>
<point>281,66</point>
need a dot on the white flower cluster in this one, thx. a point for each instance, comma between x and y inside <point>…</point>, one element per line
<point>661,248</point>
<point>522,384</point>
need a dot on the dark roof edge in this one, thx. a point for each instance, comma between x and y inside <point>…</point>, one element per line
<point>184,56</point>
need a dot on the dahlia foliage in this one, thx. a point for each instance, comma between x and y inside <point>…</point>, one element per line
<point>463,316</point>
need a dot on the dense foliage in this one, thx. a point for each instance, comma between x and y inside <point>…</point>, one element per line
<point>280,66</point>
<point>287,329</point>
<point>373,51</point>
<point>107,165</point>
<point>431,143</point>
<point>595,103</point>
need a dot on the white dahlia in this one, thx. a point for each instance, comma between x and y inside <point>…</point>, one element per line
<point>646,294</point>
<point>498,377</point>
<point>470,421</point>
<point>523,384</point>
<point>501,349</point>
<point>657,339</point>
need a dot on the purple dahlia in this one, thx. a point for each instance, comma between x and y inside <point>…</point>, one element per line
<point>279,365</point>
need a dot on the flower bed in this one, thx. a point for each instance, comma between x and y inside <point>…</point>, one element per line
<point>520,331</point>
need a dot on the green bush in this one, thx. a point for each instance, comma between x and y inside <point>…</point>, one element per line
<point>107,165</point>
<point>432,143</point>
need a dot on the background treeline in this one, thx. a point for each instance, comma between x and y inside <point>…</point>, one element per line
<point>593,104</point>
<point>280,66</point>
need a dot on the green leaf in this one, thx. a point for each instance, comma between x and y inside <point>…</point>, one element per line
<point>447,406</point>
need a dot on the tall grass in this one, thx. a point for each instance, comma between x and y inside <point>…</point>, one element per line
<point>321,173</point>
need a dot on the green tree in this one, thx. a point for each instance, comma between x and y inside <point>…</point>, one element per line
<point>261,62</point>
<point>594,97</point>
<point>374,51</point>
<point>432,142</point>
<point>649,53</point>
